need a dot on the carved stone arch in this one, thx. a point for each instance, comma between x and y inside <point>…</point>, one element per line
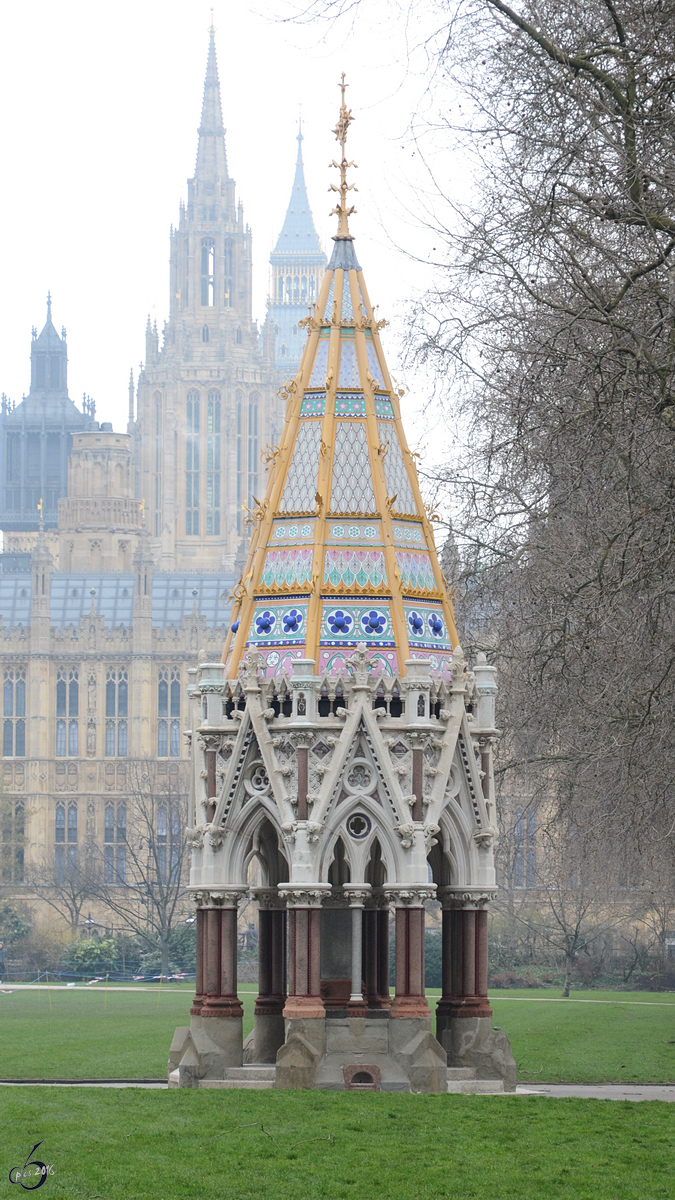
<point>238,844</point>
<point>463,852</point>
<point>339,871</point>
<point>265,847</point>
<point>376,873</point>
<point>359,854</point>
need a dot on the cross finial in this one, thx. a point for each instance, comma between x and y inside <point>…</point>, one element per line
<point>49,306</point>
<point>341,130</point>
<point>212,30</point>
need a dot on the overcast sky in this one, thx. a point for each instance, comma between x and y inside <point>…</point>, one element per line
<point>100,106</point>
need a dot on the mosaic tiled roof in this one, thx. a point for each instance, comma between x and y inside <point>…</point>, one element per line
<point>342,551</point>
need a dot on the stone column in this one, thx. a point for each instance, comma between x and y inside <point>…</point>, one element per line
<point>464,957</point>
<point>221,1010</point>
<point>196,1010</point>
<point>376,950</point>
<point>304,952</point>
<point>357,894</point>
<point>268,1028</point>
<point>410,1000</point>
<point>463,1016</point>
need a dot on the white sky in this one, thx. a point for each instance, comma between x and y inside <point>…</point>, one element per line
<point>100,107</point>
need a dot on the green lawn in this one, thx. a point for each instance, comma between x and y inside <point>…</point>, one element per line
<point>86,1035</point>
<point>304,1146</point>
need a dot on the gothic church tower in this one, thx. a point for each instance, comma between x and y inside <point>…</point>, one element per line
<point>207,403</point>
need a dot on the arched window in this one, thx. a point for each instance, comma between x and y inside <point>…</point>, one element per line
<point>296,289</point>
<point>238,337</point>
<point>213,464</point>
<point>240,459</point>
<point>115,850</point>
<point>252,448</point>
<point>205,333</point>
<point>303,288</point>
<point>192,464</point>
<point>67,705</point>
<point>312,289</point>
<point>280,287</point>
<point>228,279</point>
<point>289,288</point>
<point>157,481</point>
<point>208,272</point>
<point>116,711</point>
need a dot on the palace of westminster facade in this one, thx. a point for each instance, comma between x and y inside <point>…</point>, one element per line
<point>121,550</point>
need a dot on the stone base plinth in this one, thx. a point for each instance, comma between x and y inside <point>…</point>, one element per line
<point>206,1049</point>
<point>472,1042</point>
<point>322,1053</point>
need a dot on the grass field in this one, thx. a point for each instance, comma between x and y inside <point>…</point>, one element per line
<point>303,1146</point>
<point>88,1034</point>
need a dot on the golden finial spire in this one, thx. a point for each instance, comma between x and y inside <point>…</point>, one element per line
<point>340,131</point>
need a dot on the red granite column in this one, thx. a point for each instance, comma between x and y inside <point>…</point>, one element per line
<point>269,1005</point>
<point>304,954</point>
<point>465,961</point>
<point>410,1000</point>
<point>376,951</point>
<point>219,958</point>
<point>199,999</point>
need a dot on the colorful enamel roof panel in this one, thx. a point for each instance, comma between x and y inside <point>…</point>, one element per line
<point>342,550</point>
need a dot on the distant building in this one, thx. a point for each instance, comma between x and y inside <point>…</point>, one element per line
<point>298,265</point>
<point>207,404</point>
<point>36,439</point>
<point>94,661</point>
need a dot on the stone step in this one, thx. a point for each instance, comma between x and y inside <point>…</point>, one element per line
<point>260,1071</point>
<point>461,1073</point>
<point>476,1087</point>
<point>250,1085</point>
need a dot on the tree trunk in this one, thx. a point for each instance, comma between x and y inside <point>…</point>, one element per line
<point>569,961</point>
<point>165,957</point>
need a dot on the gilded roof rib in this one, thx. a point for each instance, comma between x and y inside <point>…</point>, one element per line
<point>342,550</point>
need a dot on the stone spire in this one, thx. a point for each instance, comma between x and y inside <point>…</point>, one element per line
<point>298,234</point>
<point>211,156</point>
<point>342,550</point>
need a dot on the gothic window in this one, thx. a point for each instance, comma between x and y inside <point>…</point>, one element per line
<point>192,465</point>
<point>228,278</point>
<point>54,373</point>
<point>14,709</point>
<point>213,464</point>
<point>158,464</point>
<point>208,272</point>
<point>168,706</point>
<point>114,848</point>
<point>168,843</point>
<point>116,712</point>
<point>252,448</point>
<point>65,839</point>
<point>240,459</point>
<point>40,372</point>
<point>296,289</point>
<point>312,288</point>
<point>11,841</point>
<point>205,333</point>
<point>280,288</point>
<point>303,289</point>
<point>283,351</point>
<point>238,337</point>
<point>289,288</point>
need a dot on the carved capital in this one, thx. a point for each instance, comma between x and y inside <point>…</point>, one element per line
<point>357,894</point>
<point>465,897</point>
<point>299,896</point>
<point>406,832</point>
<point>216,835</point>
<point>227,897</point>
<point>195,837</point>
<point>268,897</point>
<point>412,896</point>
<point>485,838</point>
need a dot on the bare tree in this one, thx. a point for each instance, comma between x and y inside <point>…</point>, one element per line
<point>149,898</point>
<point>68,882</point>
